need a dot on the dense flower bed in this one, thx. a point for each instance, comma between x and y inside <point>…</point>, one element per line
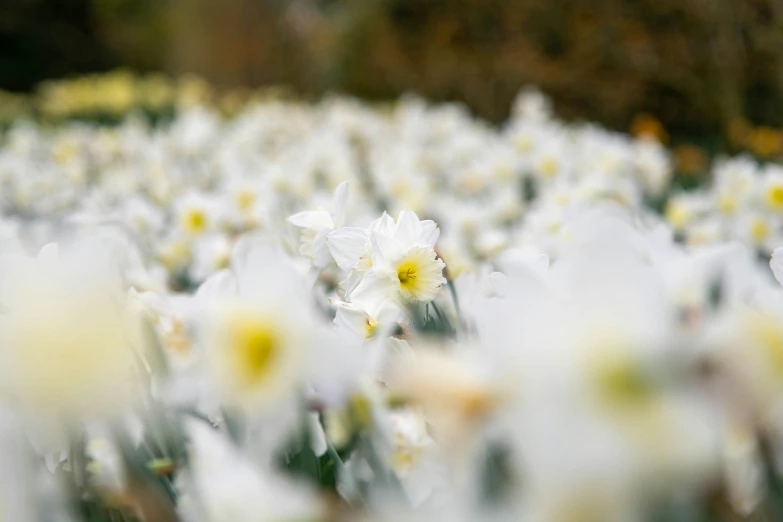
<point>334,311</point>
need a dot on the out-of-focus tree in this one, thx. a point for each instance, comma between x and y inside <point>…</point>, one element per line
<point>695,63</point>
<point>42,39</point>
<point>699,66</point>
<point>137,31</point>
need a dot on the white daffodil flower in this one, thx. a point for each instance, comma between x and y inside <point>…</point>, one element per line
<point>224,486</point>
<point>256,341</point>
<point>66,335</point>
<point>405,266</point>
<point>196,214</point>
<point>316,224</point>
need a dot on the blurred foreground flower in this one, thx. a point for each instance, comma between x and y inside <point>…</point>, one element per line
<point>66,335</point>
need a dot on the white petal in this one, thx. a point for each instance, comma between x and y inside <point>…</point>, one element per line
<point>384,225</point>
<point>776,264</point>
<point>351,320</point>
<point>315,219</point>
<point>429,233</point>
<point>219,285</point>
<point>270,274</point>
<point>351,282</point>
<point>387,313</point>
<point>338,205</point>
<point>321,255</point>
<point>374,291</point>
<point>523,260</point>
<point>49,253</point>
<point>385,249</point>
<point>408,228</point>
<point>346,245</point>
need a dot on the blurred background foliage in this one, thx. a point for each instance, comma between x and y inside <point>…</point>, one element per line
<point>710,70</point>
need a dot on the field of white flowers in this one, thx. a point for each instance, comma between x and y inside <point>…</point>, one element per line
<point>335,311</point>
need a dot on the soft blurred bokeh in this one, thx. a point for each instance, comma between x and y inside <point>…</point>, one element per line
<point>711,71</point>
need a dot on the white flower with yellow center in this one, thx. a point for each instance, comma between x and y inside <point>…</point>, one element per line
<point>352,250</point>
<point>684,209</point>
<point>757,229</point>
<point>195,214</point>
<point>547,166</point>
<point>727,203</point>
<point>66,335</point>
<point>254,352</point>
<point>773,189</point>
<point>257,336</point>
<point>551,160</point>
<point>245,203</point>
<point>405,266</point>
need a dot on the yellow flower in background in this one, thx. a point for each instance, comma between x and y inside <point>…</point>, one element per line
<point>766,141</point>
<point>648,126</point>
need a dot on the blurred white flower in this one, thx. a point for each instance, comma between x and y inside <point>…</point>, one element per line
<point>224,486</point>
<point>257,340</point>
<point>66,335</point>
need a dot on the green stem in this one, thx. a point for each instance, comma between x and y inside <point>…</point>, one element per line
<point>453,291</point>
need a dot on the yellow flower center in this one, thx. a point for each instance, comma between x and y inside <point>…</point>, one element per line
<point>256,346</point>
<point>678,216</point>
<point>420,274</point>
<point>195,221</point>
<point>775,197</point>
<point>619,379</point>
<point>177,338</point>
<point>360,410</point>
<point>549,167</point>
<point>370,328</point>
<point>727,205</point>
<point>406,273</point>
<point>365,260</point>
<point>174,255</point>
<point>768,333</point>
<point>401,189</point>
<point>554,227</point>
<point>245,200</point>
<point>405,457</point>
<point>523,144</point>
<point>623,383</point>
<point>759,231</point>
<point>65,153</point>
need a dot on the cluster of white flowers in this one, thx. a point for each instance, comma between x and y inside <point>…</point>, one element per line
<point>183,193</point>
<point>744,202</point>
<point>246,319</point>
